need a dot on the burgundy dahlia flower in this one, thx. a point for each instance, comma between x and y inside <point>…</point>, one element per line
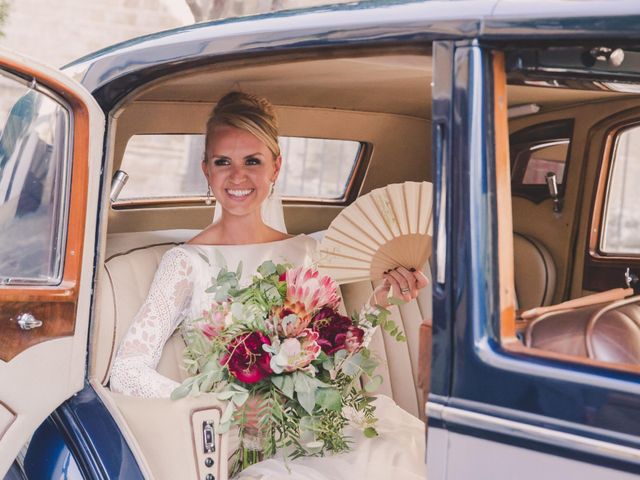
<point>246,359</point>
<point>336,332</point>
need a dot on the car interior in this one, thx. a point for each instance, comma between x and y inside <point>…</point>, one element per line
<point>382,100</point>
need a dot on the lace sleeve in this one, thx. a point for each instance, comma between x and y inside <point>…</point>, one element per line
<point>133,371</point>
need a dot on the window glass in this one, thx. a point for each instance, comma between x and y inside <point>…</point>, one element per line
<point>622,215</point>
<point>34,130</point>
<point>168,166</point>
<point>543,159</point>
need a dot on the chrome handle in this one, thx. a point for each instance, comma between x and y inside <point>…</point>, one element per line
<point>552,186</point>
<point>26,321</point>
<point>118,181</point>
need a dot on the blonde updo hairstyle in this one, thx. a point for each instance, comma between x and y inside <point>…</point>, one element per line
<point>247,112</point>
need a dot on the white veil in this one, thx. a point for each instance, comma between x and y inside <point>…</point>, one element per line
<point>272,212</point>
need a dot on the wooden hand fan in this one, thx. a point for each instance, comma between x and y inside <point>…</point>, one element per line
<point>384,229</point>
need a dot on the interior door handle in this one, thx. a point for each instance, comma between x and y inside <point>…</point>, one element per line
<point>26,321</point>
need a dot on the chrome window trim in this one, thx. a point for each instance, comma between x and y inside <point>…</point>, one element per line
<point>65,185</point>
<point>551,143</point>
<point>605,209</point>
<point>481,421</point>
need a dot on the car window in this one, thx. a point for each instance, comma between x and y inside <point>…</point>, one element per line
<point>33,183</point>
<point>313,168</point>
<point>621,220</point>
<point>537,151</point>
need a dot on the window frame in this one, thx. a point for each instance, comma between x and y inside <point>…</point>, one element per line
<point>65,184</point>
<point>526,139</point>
<point>602,198</point>
<point>601,269</point>
<point>354,182</point>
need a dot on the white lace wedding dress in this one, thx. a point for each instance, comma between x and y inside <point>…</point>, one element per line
<point>178,295</point>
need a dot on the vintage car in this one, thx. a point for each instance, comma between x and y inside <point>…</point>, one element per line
<point>524,115</point>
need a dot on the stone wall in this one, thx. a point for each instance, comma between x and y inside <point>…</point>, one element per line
<point>59,31</point>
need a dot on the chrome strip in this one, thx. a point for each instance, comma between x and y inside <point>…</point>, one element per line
<point>532,432</point>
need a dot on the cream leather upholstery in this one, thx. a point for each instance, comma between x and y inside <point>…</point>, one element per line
<point>132,260</point>
<point>123,284</point>
<point>128,272</point>
<point>399,362</point>
<point>535,272</point>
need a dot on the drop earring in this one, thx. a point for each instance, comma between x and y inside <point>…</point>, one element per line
<point>271,188</point>
<point>208,200</point>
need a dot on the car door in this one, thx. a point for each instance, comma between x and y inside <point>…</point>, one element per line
<point>500,409</point>
<point>51,134</point>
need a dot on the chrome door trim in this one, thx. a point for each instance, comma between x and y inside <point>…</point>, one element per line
<point>481,421</point>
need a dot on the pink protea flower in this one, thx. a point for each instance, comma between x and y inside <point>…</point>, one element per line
<point>296,353</point>
<point>214,320</point>
<point>307,292</point>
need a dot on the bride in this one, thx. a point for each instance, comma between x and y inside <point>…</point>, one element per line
<point>241,164</point>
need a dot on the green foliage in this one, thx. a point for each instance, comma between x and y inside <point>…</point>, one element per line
<point>382,320</point>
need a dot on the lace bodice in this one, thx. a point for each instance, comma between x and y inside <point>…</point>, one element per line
<point>177,295</point>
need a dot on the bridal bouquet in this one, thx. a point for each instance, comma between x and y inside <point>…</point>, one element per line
<point>293,369</point>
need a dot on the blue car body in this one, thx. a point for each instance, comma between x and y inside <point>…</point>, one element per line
<point>477,388</point>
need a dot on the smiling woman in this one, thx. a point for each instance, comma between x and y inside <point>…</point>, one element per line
<point>241,164</point>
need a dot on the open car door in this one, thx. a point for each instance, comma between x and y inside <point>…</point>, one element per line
<point>51,134</point>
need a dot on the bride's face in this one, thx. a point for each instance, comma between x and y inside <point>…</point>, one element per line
<point>240,168</point>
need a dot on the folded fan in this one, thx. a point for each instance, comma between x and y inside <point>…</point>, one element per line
<point>387,228</point>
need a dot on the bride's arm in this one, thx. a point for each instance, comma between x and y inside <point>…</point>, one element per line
<point>133,371</point>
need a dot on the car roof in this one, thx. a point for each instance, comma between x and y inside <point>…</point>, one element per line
<point>111,73</point>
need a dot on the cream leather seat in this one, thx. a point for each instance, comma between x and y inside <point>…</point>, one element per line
<point>126,276</point>
<point>123,284</point>
<point>535,272</point>
<point>132,260</point>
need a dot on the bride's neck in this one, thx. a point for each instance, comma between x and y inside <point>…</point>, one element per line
<point>233,230</point>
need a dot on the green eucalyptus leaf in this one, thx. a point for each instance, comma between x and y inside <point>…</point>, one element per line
<point>238,388</point>
<point>373,384</point>
<point>211,365</point>
<point>307,400</point>
<point>180,392</point>
<point>220,260</point>
<point>329,398</point>
<point>396,301</point>
<point>239,270</point>
<point>237,310</point>
<point>372,319</point>
<point>228,414</point>
<point>328,364</point>
<point>267,268</point>
<point>370,432</point>
<point>225,395</point>
<point>351,365</point>
<point>207,382</point>
<point>240,398</point>
<point>340,355</point>
<point>284,383</point>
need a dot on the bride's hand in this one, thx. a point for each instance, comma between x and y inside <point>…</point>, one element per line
<point>404,284</point>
